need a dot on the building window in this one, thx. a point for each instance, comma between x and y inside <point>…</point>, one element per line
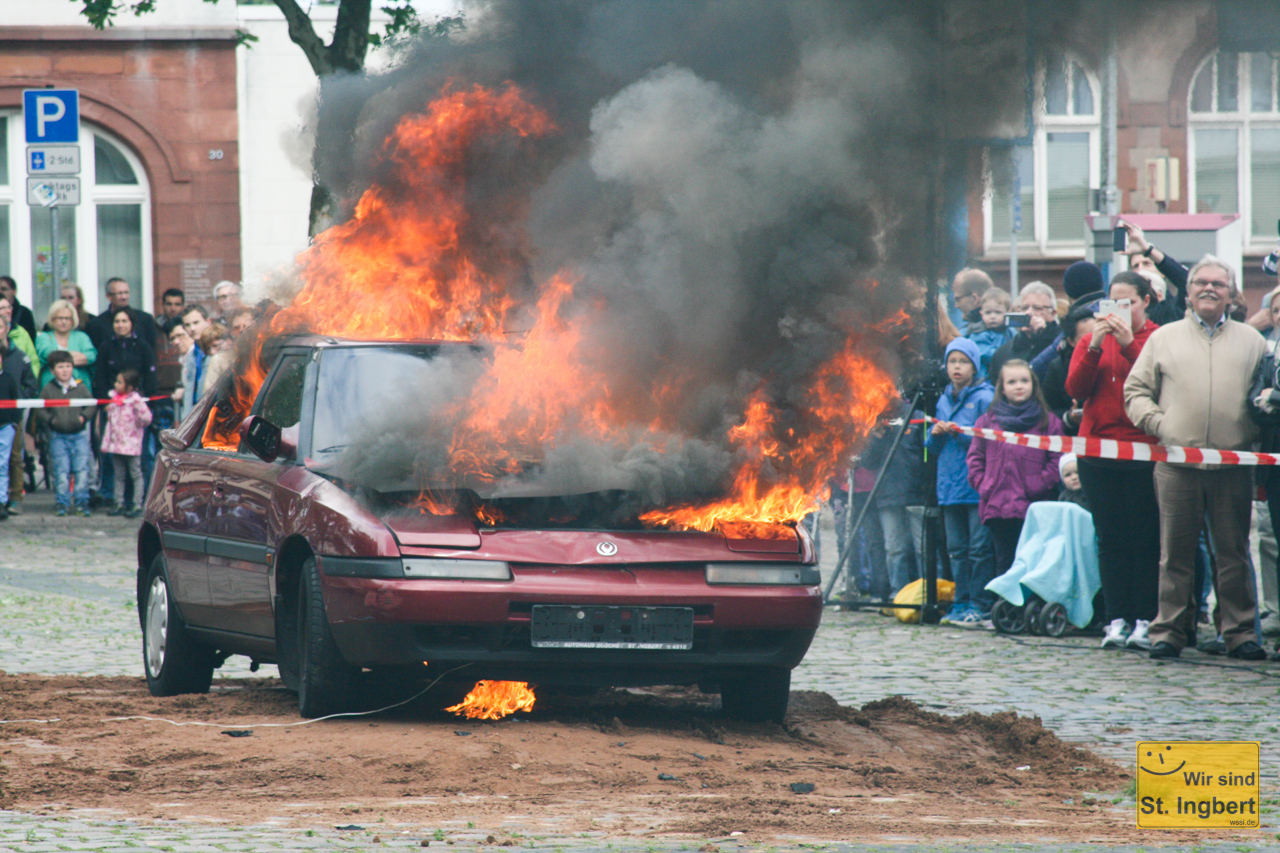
<point>108,234</point>
<point>1056,172</point>
<point>1234,142</point>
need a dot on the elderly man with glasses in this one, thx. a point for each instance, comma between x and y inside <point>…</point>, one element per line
<point>1038,301</point>
<point>1190,387</point>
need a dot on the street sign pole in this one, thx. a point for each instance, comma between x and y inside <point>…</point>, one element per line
<point>52,121</point>
<point>53,217</point>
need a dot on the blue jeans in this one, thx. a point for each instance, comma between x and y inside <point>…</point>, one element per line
<point>70,452</point>
<point>903,535</point>
<point>8,433</point>
<point>973,559</point>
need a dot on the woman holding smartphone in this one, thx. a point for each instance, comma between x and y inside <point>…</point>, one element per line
<point>1121,493</point>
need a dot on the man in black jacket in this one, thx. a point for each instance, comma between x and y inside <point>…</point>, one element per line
<point>1144,256</point>
<point>21,314</point>
<point>1079,321</point>
<point>144,324</point>
<point>17,380</point>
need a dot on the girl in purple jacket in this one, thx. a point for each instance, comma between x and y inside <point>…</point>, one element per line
<point>1009,478</point>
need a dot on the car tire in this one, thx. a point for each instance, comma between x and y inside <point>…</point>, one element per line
<point>759,697</point>
<point>174,662</point>
<point>326,682</point>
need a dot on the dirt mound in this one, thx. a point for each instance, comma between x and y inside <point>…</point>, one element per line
<point>657,761</point>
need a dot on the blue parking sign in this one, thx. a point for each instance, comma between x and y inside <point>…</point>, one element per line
<point>52,115</point>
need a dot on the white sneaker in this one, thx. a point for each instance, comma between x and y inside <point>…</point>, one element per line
<point>1117,633</point>
<point>1139,639</point>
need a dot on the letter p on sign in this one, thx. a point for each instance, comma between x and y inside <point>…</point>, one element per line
<point>51,115</point>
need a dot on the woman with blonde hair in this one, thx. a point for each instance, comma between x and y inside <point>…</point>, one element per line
<point>64,331</point>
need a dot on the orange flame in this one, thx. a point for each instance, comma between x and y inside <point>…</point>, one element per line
<point>400,268</point>
<point>493,700</point>
<point>844,399</point>
<point>416,262</point>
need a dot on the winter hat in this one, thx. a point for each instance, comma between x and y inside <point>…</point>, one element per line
<point>1081,279</point>
<point>1063,461</point>
<point>970,351</point>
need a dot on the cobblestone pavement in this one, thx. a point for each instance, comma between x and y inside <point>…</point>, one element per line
<point>67,606</point>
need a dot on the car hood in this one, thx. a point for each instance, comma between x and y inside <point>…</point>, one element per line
<point>458,534</point>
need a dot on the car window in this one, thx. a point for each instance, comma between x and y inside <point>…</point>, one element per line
<point>220,430</point>
<point>282,404</point>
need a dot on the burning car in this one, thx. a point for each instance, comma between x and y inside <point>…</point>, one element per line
<point>285,547</point>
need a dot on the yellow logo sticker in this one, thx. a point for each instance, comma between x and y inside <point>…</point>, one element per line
<point>1198,783</point>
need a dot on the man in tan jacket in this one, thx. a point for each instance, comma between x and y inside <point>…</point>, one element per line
<point>1190,387</point>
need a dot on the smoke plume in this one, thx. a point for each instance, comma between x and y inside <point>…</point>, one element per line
<point>732,196</point>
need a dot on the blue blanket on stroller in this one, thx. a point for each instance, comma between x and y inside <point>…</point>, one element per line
<point>1057,559</point>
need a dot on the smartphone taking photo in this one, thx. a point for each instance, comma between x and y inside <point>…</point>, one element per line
<point>1116,307</point>
<point>1017,321</point>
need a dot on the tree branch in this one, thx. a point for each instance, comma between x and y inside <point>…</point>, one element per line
<point>350,36</point>
<point>303,34</point>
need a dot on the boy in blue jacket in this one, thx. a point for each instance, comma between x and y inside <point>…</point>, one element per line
<point>968,541</point>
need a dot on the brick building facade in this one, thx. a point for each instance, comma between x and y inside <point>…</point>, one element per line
<point>161,101</point>
<point>1217,147</point>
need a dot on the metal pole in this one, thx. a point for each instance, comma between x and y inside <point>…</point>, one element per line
<point>850,532</point>
<point>53,257</point>
<point>1015,225</point>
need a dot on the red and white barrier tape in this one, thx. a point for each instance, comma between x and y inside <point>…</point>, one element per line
<point>1109,448</point>
<point>63,404</point>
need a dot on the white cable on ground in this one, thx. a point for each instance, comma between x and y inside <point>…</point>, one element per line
<point>54,720</point>
<point>243,725</point>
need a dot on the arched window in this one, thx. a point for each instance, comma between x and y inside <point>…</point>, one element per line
<point>1057,171</point>
<point>107,235</point>
<point>1234,143</point>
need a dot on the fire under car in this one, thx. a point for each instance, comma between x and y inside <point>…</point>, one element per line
<point>264,547</point>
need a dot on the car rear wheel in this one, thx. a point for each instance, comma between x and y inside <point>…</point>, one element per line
<point>174,662</point>
<point>759,697</point>
<point>326,682</point>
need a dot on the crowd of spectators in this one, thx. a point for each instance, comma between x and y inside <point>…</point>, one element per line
<point>1160,354</point>
<point>145,371</point>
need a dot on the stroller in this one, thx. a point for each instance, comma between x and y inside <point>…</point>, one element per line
<point>1054,578</point>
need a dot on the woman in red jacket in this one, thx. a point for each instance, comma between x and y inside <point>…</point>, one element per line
<point>1121,493</point>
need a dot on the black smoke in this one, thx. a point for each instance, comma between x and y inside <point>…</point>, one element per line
<point>737,188</point>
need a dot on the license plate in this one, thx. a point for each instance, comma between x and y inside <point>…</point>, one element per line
<point>564,626</point>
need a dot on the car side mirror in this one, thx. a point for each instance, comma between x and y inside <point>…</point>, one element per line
<point>169,440</point>
<point>262,437</point>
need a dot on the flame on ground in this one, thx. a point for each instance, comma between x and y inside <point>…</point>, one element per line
<point>493,700</point>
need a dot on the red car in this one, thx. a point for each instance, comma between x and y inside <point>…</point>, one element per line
<point>265,551</point>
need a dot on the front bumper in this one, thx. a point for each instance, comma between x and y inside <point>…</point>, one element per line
<point>387,621</point>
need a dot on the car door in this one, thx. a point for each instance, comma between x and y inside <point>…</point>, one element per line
<point>186,498</point>
<point>240,546</point>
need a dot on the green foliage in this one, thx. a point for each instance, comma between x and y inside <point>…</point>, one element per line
<point>102,13</point>
<point>405,22</point>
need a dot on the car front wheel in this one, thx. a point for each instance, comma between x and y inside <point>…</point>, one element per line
<point>760,696</point>
<point>174,662</point>
<point>326,682</point>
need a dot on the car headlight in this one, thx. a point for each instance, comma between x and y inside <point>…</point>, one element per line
<point>475,570</point>
<point>762,574</point>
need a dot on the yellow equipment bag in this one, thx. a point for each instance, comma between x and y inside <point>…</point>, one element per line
<point>913,593</point>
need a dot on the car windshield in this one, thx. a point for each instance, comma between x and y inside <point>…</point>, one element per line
<point>383,426</point>
<point>362,388</point>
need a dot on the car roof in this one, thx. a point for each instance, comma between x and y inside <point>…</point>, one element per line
<point>328,341</point>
